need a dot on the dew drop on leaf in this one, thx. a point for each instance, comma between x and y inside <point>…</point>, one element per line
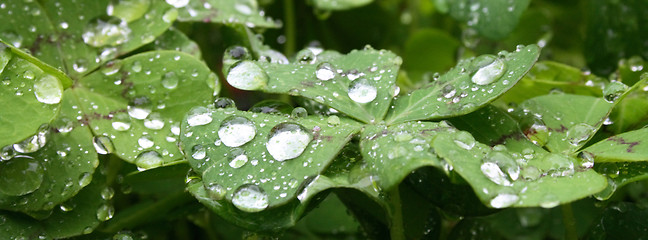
<point>247,75</point>
<point>105,212</point>
<point>494,173</point>
<point>128,10</point>
<point>20,175</point>
<point>178,3</point>
<point>464,140</point>
<point>235,54</point>
<point>121,121</point>
<point>198,152</point>
<point>579,133</point>
<point>106,32</point>
<point>236,131</point>
<point>490,68</point>
<point>199,116</point>
<point>216,191</point>
<point>362,91</point>
<point>333,120</point>
<point>48,90</point>
<point>147,160</point>
<point>530,173</point>
<point>12,38</point>
<point>103,145</point>
<point>140,108</point>
<point>503,200</point>
<point>250,198</point>
<point>299,112</point>
<point>549,201</point>
<point>325,71</point>
<point>170,80</point>
<point>107,193</point>
<point>154,121</point>
<point>80,65</point>
<point>29,145</point>
<point>85,179</point>
<point>223,102</point>
<point>7,152</point>
<point>538,134</point>
<point>287,141</point>
<point>238,158</point>
<point>613,91</point>
<point>306,56</point>
<point>145,142</point>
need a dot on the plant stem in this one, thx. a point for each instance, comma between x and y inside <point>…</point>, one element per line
<point>396,230</point>
<point>569,222</point>
<point>290,28</point>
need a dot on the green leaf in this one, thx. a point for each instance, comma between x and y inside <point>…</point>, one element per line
<point>465,88</point>
<point>494,19</point>
<point>632,111</point>
<point>569,126</point>
<point>174,39</point>
<point>31,93</point>
<point>15,225</point>
<point>625,147</point>
<point>429,50</point>
<point>359,84</point>
<point>243,156</point>
<point>84,36</point>
<point>245,12</point>
<point>394,152</point>
<point>500,181</point>
<point>57,171</point>
<point>138,103</point>
<point>620,219</point>
<point>550,77</point>
<point>336,5</point>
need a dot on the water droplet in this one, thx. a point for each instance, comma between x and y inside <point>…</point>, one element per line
<point>587,159</point>
<point>178,3</point>
<point>12,38</point>
<point>361,91</point>
<point>538,134</point>
<point>250,198</point>
<point>333,120</point>
<point>128,10</point>
<point>613,91</point>
<point>299,112</point>
<point>154,121</point>
<point>199,116</point>
<point>107,193</point>
<point>494,173</point>
<point>238,158</point>
<point>236,131</point>
<point>103,145</point>
<point>244,7</point>
<point>530,173</point>
<point>247,75</point>
<point>111,67</point>
<point>137,66</point>
<point>48,90</point>
<point>7,153</point>
<point>139,108</point>
<point>85,179</point>
<point>105,212</point>
<point>306,56</point>
<point>148,160</point>
<point>272,107</point>
<point>223,102</point>
<point>80,65</point>
<point>549,201</point>
<point>216,191</point>
<point>145,142</point>
<point>170,80</point>
<point>287,141</point>
<point>106,32</point>
<point>504,162</point>
<point>20,175</point>
<point>464,140</point>
<point>325,71</point>
<point>579,133</point>
<point>503,200</point>
<point>121,121</point>
<point>490,68</point>
<point>29,145</point>
<point>198,152</point>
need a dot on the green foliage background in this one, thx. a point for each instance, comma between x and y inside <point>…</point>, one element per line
<point>493,119</point>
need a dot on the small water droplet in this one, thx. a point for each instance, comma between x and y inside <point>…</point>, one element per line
<point>464,140</point>
<point>48,90</point>
<point>139,108</point>
<point>538,134</point>
<point>223,102</point>
<point>236,131</point>
<point>107,193</point>
<point>80,65</point>
<point>170,80</point>
<point>147,160</point>
<point>613,91</point>
<point>199,116</point>
<point>85,179</point>
<point>250,198</point>
<point>111,67</point>
<point>154,121</point>
<point>128,10</point>
<point>247,75</point>
<point>238,158</point>
<point>325,71</point>
<point>20,175</point>
<point>216,191</point>
<point>145,142</point>
<point>333,120</point>
<point>306,56</point>
<point>7,152</point>
<point>287,141</point>
<point>103,145</point>
<point>299,112</point>
<point>178,3</point>
<point>490,68</point>
<point>362,91</point>
<point>503,200</point>
<point>121,121</point>
<point>578,133</point>
<point>549,201</point>
<point>106,32</point>
<point>198,152</point>
<point>105,212</point>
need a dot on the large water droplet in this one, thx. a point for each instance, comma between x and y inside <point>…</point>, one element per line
<point>105,212</point>
<point>490,69</point>
<point>29,145</point>
<point>538,134</point>
<point>170,80</point>
<point>362,91</point>
<point>613,91</point>
<point>503,200</point>
<point>139,108</point>
<point>216,191</point>
<point>198,152</point>
<point>494,173</point>
<point>121,121</point>
<point>107,193</point>
<point>178,3</point>
<point>145,142</point>
<point>48,90</point>
<point>199,116</point>
<point>148,160</point>
<point>247,75</point>
<point>579,133</point>
<point>103,145</point>
<point>236,131</point>
<point>128,10</point>
<point>250,198</point>
<point>106,32</point>
<point>464,140</point>
<point>325,71</point>
<point>299,112</point>
<point>506,163</point>
<point>238,158</point>
<point>20,175</point>
<point>288,141</point>
<point>154,121</point>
